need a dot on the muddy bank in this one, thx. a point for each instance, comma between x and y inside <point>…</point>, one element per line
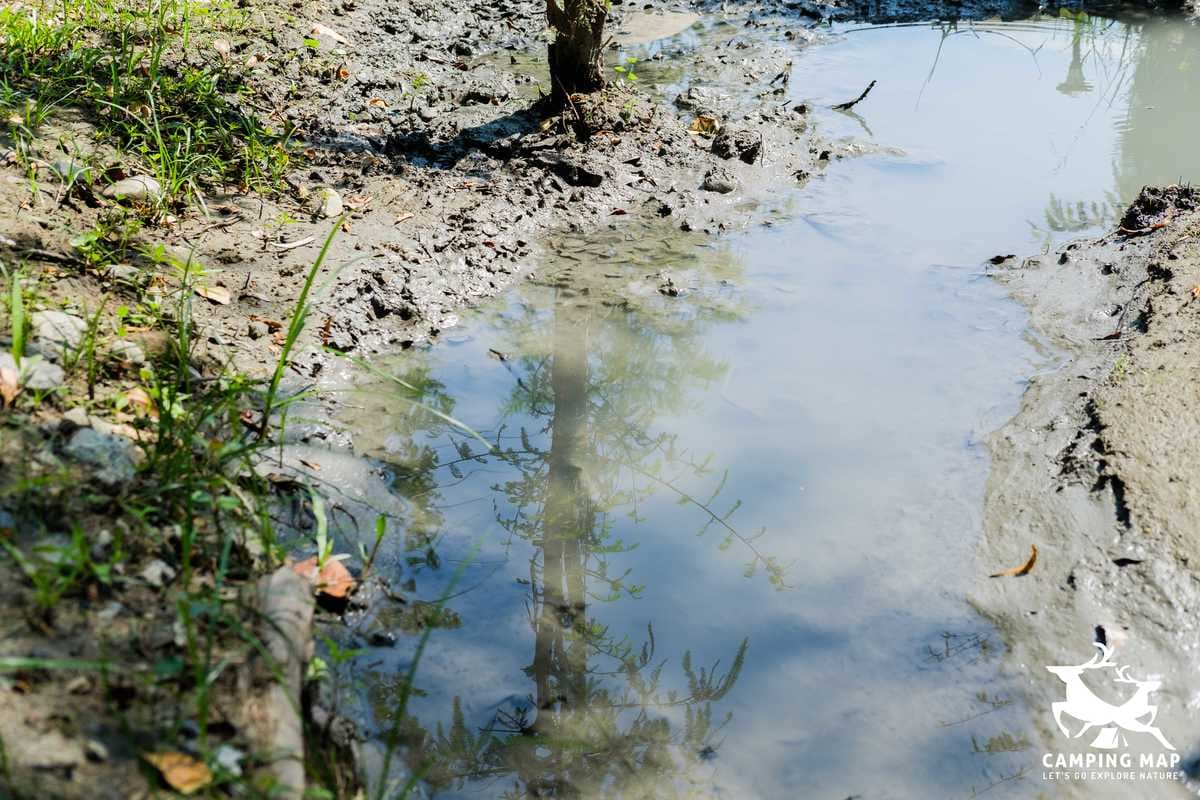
<point>138,506</point>
<point>1098,470</point>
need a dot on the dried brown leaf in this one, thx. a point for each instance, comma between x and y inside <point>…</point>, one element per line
<point>704,124</point>
<point>182,773</point>
<point>1024,569</point>
<point>333,580</point>
<point>10,386</point>
<point>324,30</point>
<point>217,294</point>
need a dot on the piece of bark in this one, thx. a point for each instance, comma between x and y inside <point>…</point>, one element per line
<point>272,713</point>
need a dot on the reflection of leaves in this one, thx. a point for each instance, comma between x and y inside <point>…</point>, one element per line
<point>1003,742</point>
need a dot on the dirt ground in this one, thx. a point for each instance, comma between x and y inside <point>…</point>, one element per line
<point>420,120</point>
<point>1098,468</point>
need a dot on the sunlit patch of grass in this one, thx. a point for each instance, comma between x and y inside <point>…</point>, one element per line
<point>119,62</point>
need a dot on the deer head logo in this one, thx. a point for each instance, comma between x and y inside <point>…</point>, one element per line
<point>1085,706</point>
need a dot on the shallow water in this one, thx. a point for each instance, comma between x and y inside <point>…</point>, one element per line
<point>727,548</point>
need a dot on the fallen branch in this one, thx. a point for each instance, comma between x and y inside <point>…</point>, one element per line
<point>1148,229</point>
<point>272,717</point>
<point>857,100</point>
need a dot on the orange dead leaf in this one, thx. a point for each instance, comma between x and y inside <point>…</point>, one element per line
<point>377,102</point>
<point>10,386</point>
<point>1024,569</point>
<point>273,325</point>
<point>182,773</point>
<point>704,124</point>
<point>333,580</point>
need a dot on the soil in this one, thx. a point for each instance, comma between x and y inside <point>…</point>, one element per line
<point>423,119</point>
<point>1098,467</point>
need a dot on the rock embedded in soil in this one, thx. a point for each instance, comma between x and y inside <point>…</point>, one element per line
<point>157,573</point>
<point>718,180</point>
<point>329,203</point>
<point>737,143</point>
<point>58,328</point>
<point>111,455</point>
<point>35,372</point>
<point>138,189</point>
<point>574,171</point>
<point>128,352</point>
<point>72,171</point>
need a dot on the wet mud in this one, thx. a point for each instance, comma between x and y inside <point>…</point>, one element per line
<point>1098,471</point>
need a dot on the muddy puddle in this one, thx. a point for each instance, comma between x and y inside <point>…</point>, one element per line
<point>725,542</point>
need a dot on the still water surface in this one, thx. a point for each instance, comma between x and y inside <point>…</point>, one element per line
<point>727,547</point>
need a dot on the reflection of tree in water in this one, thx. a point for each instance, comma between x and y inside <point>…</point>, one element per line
<point>602,718</point>
<point>1155,75</point>
<point>1157,139</point>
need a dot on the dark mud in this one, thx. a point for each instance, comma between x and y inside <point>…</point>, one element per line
<point>1098,470</point>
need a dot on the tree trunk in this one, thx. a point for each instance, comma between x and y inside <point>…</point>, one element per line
<point>576,54</point>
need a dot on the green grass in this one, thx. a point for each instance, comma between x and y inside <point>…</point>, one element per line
<point>120,63</point>
<point>18,325</point>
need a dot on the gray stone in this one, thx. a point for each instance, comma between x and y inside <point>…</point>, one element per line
<point>329,203</point>
<point>718,180</point>
<point>58,328</point>
<point>77,417</point>
<point>139,189</point>
<point>128,352</point>
<point>101,545</point>
<point>127,273</point>
<point>112,455</point>
<point>96,751</point>
<point>36,372</point>
<point>72,171</point>
<point>157,573</point>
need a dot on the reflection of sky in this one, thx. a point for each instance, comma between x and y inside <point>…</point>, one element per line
<point>873,361</point>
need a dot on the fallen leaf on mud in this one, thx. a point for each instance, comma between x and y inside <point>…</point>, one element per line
<point>10,385</point>
<point>703,124</point>
<point>333,579</point>
<point>324,30</point>
<point>217,294</point>
<point>377,102</point>
<point>182,773</point>
<point>1024,569</point>
<point>272,324</point>
<point>284,246</point>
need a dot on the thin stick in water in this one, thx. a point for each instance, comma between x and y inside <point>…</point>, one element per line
<point>857,100</point>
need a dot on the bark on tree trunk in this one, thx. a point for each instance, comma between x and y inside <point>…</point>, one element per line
<point>576,54</point>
